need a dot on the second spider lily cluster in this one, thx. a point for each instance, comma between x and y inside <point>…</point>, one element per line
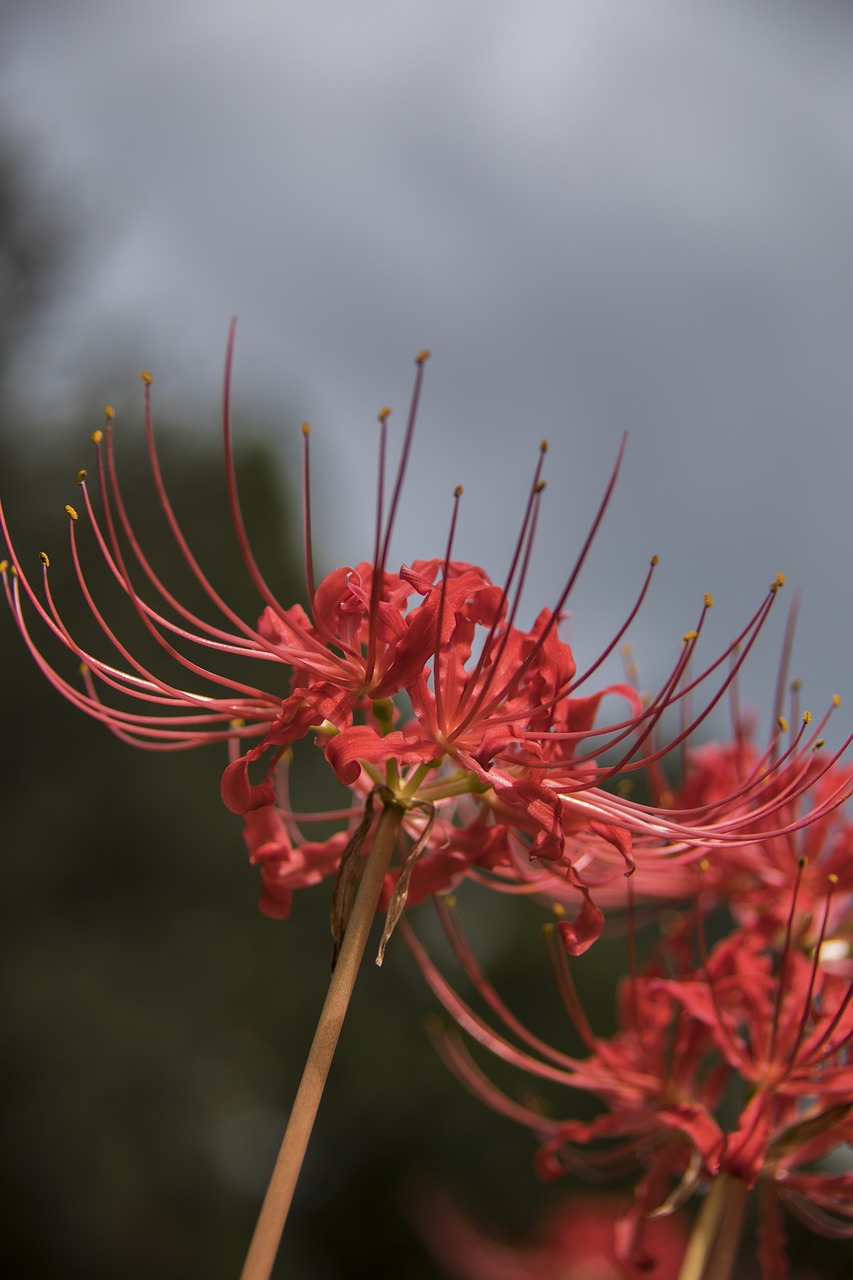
<point>731,1066</point>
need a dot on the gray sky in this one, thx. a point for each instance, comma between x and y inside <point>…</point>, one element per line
<point>600,215</point>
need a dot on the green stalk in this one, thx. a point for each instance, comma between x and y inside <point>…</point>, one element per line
<point>713,1245</point>
<point>265,1241</point>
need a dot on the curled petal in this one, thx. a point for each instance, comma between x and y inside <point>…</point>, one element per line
<point>620,839</point>
<point>361,742</point>
<point>238,793</point>
<point>579,936</point>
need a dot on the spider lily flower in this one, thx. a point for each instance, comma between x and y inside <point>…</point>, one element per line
<point>811,859</point>
<point>756,1018</point>
<point>501,714</point>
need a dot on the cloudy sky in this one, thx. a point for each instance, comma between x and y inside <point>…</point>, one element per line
<point>600,215</point>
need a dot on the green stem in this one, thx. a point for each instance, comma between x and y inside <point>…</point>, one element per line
<point>713,1246</point>
<point>262,1251</point>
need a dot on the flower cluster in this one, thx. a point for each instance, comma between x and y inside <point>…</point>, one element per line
<point>731,1065</point>
<point>501,767</point>
<point>420,687</point>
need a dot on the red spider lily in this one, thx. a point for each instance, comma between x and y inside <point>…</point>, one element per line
<point>653,1075</point>
<point>501,713</point>
<point>755,1016</point>
<point>812,860</point>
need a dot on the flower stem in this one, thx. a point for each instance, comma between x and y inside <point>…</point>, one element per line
<point>713,1246</point>
<point>262,1251</point>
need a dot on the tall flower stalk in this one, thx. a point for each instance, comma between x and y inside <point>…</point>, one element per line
<point>420,688</point>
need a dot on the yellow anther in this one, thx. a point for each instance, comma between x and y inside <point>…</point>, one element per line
<point>540,485</point>
<point>146,377</point>
<point>654,560</point>
<point>836,700</point>
<point>81,475</point>
<point>796,684</point>
<point>548,929</point>
<point>807,717</point>
<point>778,581</point>
<point>803,862</point>
<point>97,436</point>
<point>236,723</point>
<point>543,446</point>
<point>109,412</point>
<point>45,559</point>
<point>449,901</point>
<point>666,799</point>
<point>689,635</point>
<point>832,879</point>
<point>423,355</point>
<point>69,511</point>
<point>4,565</point>
<point>557,910</point>
<point>834,949</point>
<point>625,786</point>
<point>709,599</point>
<point>627,650</point>
<point>782,724</point>
<point>821,742</point>
<point>306,428</point>
<point>458,491</point>
<point>384,414</point>
<point>83,669</point>
<point>704,865</point>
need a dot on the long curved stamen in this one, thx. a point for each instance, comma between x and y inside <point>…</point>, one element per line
<point>452,1051</point>
<point>307,544</point>
<point>489,699</point>
<point>230,479</point>
<point>150,726</point>
<point>307,647</point>
<point>518,565</point>
<point>823,1046</point>
<point>785,659</point>
<point>735,1047</point>
<point>465,955</point>
<point>177,533</point>
<point>557,610</point>
<point>475,1026</point>
<point>420,361</point>
<point>669,696</point>
<point>439,646</point>
<point>566,987</point>
<point>808,1008</point>
<point>98,437</point>
<point>227,642</point>
<point>577,681</point>
<point>381,561</point>
<point>378,575</point>
<point>149,680</point>
<point>784,962</point>
<point>237,686</point>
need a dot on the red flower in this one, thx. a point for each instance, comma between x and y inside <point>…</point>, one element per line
<point>573,1242</point>
<point>755,1018</point>
<point>500,712</point>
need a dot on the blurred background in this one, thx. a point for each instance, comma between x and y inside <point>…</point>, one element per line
<point>600,217</point>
